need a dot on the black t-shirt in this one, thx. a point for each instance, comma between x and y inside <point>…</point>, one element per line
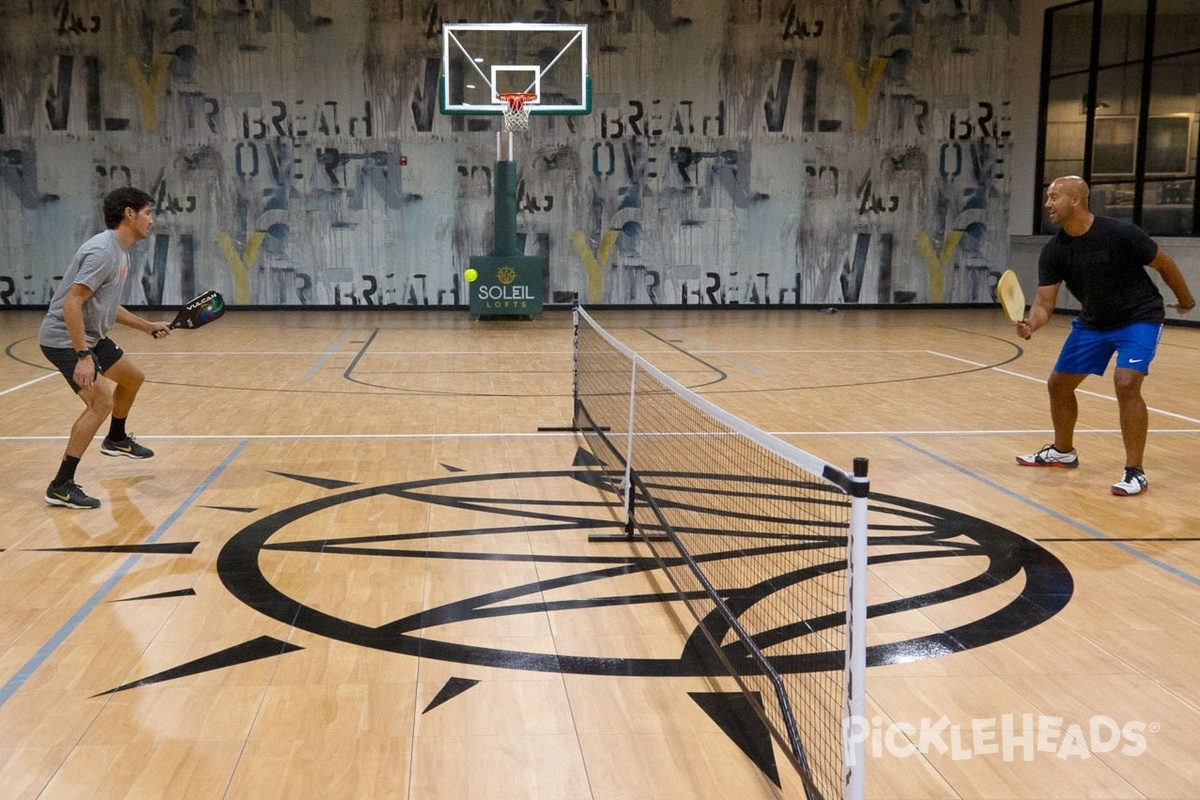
<point>1105,269</point>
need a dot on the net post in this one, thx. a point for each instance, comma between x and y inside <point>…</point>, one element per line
<point>854,752</point>
<point>628,481</point>
<point>575,420</point>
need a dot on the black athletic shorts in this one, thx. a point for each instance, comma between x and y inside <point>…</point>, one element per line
<point>105,353</point>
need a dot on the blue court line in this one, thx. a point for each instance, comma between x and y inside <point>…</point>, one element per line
<point>25,672</point>
<point>328,353</point>
<point>1178,573</point>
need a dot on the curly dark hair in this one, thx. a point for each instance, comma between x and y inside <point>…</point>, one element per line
<point>116,201</point>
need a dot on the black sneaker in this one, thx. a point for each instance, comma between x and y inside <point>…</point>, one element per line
<point>125,447</point>
<point>70,495</point>
<point>1133,483</point>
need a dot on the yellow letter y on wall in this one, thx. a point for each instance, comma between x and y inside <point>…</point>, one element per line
<point>240,263</point>
<point>148,90</point>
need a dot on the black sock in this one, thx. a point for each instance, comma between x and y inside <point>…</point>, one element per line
<point>116,430</point>
<point>66,470</point>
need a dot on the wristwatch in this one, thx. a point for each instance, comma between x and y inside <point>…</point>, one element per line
<point>83,353</point>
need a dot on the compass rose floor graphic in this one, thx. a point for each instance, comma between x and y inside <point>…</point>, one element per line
<point>533,570</point>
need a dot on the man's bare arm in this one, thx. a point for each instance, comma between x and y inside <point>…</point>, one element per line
<point>1039,312</point>
<point>1173,277</point>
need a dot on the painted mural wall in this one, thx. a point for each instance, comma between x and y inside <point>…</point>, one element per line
<point>738,151</point>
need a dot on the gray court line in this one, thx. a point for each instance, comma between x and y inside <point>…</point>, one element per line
<point>1095,534</point>
<point>329,352</point>
<point>15,683</point>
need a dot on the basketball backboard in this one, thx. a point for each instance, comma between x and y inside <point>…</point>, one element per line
<point>481,61</point>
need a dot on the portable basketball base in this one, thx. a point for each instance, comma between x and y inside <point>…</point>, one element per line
<point>509,283</point>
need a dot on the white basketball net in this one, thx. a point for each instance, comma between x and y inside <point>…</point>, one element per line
<point>516,112</point>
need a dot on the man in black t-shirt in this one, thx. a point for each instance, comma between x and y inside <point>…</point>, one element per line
<point>1102,261</point>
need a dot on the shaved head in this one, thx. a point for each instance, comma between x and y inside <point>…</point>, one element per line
<point>1067,204</point>
<point>1072,185</point>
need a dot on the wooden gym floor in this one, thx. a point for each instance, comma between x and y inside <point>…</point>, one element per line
<point>354,559</point>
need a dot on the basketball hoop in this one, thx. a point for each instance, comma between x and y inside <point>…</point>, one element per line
<point>515,110</point>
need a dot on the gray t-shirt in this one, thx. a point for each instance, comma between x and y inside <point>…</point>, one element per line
<point>101,264</point>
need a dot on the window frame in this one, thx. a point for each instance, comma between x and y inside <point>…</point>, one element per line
<point>1137,177</point>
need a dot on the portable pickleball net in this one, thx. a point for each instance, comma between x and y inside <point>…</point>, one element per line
<point>765,543</point>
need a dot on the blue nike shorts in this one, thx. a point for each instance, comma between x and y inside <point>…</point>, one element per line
<point>1087,352</point>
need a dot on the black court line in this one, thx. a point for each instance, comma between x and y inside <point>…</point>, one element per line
<point>721,375</point>
<point>169,548</point>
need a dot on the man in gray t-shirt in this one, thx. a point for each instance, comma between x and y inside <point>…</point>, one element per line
<point>101,265</point>
<point>74,337</point>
